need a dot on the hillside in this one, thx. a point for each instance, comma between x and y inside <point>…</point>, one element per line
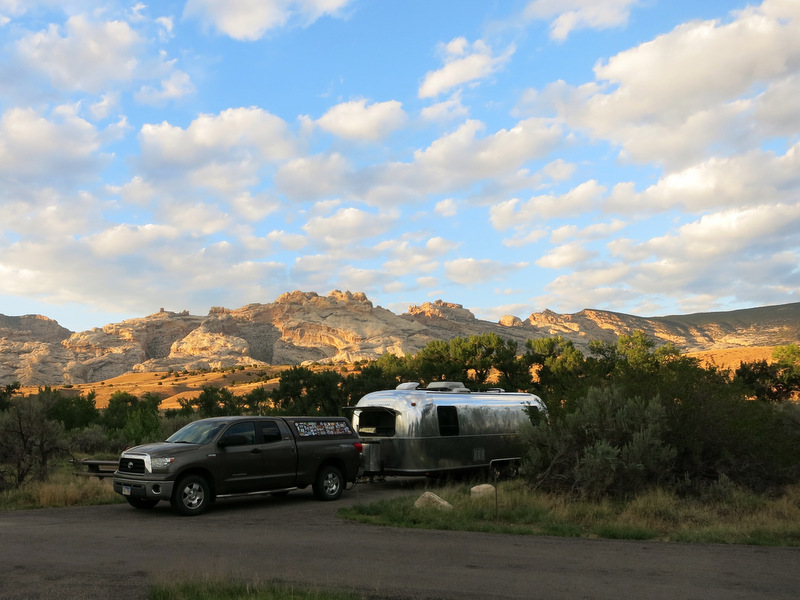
<point>341,328</point>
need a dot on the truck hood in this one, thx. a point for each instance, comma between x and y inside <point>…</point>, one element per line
<point>162,449</point>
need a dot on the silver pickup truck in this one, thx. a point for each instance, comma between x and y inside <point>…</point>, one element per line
<point>230,456</point>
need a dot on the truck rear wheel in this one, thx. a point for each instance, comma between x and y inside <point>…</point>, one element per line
<point>329,483</point>
<point>191,496</point>
<point>144,503</point>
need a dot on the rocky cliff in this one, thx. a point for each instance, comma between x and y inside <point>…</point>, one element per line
<point>342,327</point>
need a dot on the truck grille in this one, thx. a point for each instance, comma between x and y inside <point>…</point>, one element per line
<point>131,465</point>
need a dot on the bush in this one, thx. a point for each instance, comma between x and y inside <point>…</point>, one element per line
<point>609,443</point>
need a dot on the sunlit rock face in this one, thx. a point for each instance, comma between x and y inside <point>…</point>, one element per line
<point>342,327</point>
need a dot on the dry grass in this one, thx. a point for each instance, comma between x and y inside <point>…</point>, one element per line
<point>727,515</point>
<point>62,489</point>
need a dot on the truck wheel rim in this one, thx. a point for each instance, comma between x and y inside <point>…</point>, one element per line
<point>193,495</point>
<point>331,484</point>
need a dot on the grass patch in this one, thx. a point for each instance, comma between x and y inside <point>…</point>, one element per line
<point>736,517</point>
<point>63,488</point>
<point>225,590</point>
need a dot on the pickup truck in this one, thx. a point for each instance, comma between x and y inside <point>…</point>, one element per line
<point>230,456</point>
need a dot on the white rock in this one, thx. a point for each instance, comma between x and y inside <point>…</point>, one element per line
<point>431,500</point>
<point>480,491</point>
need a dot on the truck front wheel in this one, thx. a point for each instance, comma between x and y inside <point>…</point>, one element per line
<point>191,496</point>
<point>329,483</point>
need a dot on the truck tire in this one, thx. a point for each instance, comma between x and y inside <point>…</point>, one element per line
<point>329,483</point>
<point>191,496</point>
<point>144,503</point>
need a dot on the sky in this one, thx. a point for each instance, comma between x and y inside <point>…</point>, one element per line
<point>638,156</point>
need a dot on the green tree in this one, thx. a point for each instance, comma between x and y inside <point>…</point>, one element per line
<point>434,362</point>
<point>6,393</point>
<point>115,415</point>
<point>514,371</point>
<point>559,370</point>
<point>257,402</point>
<point>371,379</point>
<point>75,412</point>
<point>215,402</point>
<point>29,439</point>
<point>302,391</point>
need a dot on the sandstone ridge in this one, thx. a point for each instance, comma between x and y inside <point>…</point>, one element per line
<point>342,327</point>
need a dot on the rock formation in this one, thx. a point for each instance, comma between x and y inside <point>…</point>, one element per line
<point>343,327</point>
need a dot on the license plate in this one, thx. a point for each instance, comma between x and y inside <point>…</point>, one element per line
<point>126,490</point>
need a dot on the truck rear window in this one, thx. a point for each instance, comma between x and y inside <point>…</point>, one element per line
<point>315,428</point>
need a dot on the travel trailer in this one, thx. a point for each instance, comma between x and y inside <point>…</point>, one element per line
<point>439,429</point>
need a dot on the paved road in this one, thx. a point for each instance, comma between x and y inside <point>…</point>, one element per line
<point>117,552</point>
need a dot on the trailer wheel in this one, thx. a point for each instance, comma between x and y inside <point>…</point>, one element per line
<point>144,503</point>
<point>192,496</point>
<point>329,483</point>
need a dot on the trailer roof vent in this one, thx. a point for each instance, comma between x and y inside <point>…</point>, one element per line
<point>447,386</point>
<point>410,385</point>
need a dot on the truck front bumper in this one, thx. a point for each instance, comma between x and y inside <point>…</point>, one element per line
<point>143,488</point>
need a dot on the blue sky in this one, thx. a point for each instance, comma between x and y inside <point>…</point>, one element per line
<point>509,156</point>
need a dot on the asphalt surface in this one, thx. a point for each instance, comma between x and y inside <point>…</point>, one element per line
<point>117,552</point>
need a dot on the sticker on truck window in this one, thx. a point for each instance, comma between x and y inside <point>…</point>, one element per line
<point>309,428</point>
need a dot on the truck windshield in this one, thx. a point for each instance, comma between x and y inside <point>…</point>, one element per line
<point>199,432</point>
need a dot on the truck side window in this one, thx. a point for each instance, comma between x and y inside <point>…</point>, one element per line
<point>448,420</point>
<point>270,431</point>
<point>246,429</point>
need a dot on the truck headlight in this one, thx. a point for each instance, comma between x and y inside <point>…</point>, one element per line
<point>160,464</point>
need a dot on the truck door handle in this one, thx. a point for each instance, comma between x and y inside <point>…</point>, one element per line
<point>255,451</point>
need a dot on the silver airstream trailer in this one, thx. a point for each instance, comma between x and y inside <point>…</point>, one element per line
<point>441,428</point>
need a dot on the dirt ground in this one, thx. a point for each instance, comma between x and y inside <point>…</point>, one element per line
<point>115,551</point>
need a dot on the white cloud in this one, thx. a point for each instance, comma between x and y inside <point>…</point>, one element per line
<point>251,19</point>
<point>313,177</point>
<point>129,239</point>
<point>744,253</point>
<point>100,110</point>
<point>348,226</point>
<point>34,148</point>
<point>569,15</point>
<point>415,259</point>
<point>447,110</point>
<point>87,57</point>
<point>289,241</point>
<point>176,85</point>
<point>752,178</point>
<point>356,121</point>
<point>566,255</point>
<point>463,157</point>
<point>446,208</point>
<point>705,84</point>
<point>517,214</point>
<point>525,238</point>
<point>221,152</point>
<point>463,64</point>
<point>471,271</point>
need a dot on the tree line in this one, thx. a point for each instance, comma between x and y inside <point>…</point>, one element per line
<point>629,415</point>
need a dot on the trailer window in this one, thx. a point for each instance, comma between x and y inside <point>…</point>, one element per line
<point>376,422</point>
<point>448,420</point>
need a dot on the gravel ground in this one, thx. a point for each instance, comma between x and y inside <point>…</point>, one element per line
<point>117,552</point>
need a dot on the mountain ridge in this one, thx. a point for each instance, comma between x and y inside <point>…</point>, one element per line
<point>342,327</point>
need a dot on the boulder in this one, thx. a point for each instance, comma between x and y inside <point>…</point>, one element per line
<point>482,491</point>
<point>431,500</point>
